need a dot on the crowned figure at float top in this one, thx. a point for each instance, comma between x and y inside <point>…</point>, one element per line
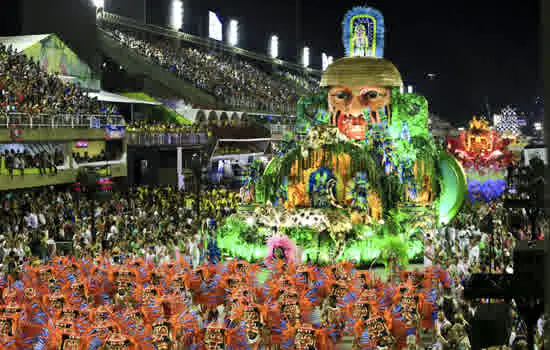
<point>361,153</point>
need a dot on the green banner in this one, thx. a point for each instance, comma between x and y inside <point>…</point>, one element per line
<point>57,58</point>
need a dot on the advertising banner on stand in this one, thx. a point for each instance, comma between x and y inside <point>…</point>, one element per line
<point>114,132</point>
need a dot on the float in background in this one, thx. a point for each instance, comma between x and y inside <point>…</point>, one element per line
<point>484,154</point>
<point>361,178</point>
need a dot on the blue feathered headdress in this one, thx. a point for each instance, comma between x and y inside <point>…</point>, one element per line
<point>213,252</point>
<point>363,32</point>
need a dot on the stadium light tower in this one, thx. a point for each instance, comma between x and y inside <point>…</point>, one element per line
<point>324,60</point>
<point>176,19</point>
<point>233,32</point>
<point>99,4</point>
<point>274,46</point>
<point>305,57</point>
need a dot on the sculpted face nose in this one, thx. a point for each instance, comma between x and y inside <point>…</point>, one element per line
<point>356,106</point>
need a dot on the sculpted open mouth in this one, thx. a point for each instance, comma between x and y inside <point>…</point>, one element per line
<point>353,127</point>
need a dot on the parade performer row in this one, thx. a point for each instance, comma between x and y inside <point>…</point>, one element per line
<point>89,303</point>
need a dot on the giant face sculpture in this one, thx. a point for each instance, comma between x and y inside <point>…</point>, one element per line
<point>357,106</point>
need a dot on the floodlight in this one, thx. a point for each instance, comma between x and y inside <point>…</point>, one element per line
<point>324,60</point>
<point>233,32</point>
<point>305,57</point>
<point>410,89</point>
<point>274,46</point>
<point>176,19</point>
<point>99,3</point>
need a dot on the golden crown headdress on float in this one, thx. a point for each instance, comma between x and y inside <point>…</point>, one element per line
<point>363,66</point>
<point>480,125</point>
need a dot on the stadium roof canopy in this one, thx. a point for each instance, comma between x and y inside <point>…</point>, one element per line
<point>105,96</point>
<point>22,42</point>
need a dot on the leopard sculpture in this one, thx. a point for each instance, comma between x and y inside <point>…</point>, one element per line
<point>337,223</point>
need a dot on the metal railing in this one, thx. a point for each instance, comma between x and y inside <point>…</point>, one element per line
<point>53,121</point>
<point>254,107</point>
<point>130,23</point>
<point>280,130</point>
<point>167,139</point>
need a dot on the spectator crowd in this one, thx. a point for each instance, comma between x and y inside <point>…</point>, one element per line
<point>480,241</point>
<point>15,162</point>
<point>142,219</point>
<point>149,126</point>
<point>231,79</point>
<point>27,88</point>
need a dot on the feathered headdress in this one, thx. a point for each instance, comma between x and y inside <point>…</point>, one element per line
<point>213,252</point>
<point>283,242</point>
<point>363,32</point>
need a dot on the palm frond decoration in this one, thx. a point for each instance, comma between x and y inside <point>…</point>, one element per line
<point>282,193</point>
<point>395,246</point>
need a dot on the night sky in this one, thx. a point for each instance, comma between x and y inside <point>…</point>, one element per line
<point>482,49</point>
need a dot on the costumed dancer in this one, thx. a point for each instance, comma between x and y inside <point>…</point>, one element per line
<point>281,251</point>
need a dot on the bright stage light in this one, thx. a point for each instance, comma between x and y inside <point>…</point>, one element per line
<point>274,46</point>
<point>99,3</point>
<point>305,57</point>
<point>538,126</point>
<point>496,119</point>
<point>324,60</point>
<point>176,19</point>
<point>330,60</point>
<point>233,32</point>
<point>410,89</point>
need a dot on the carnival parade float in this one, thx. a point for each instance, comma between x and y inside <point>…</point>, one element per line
<point>361,175</point>
<point>484,155</point>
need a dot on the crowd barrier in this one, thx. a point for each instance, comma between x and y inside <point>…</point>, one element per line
<point>170,139</point>
<point>37,121</point>
<point>280,130</point>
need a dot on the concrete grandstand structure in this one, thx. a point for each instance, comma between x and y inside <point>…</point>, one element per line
<point>62,55</point>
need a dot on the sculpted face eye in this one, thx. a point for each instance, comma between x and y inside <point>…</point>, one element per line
<point>369,94</point>
<point>342,94</point>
